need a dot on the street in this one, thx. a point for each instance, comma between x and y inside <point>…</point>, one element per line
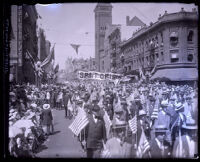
<point>62,144</point>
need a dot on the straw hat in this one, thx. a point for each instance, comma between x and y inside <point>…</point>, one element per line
<point>34,105</point>
<point>161,128</point>
<point>118,124</point>
<point>164,104</point>
<point>190,124</point>
<point>118,109</point>
<point>142,112</point>
<point>178,106</point>
<point>46,106</point>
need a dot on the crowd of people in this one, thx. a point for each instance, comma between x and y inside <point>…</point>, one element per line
<point>145,120</point>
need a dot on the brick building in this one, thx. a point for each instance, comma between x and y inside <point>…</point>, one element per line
<point>23,42</point>
<point>103,17</point>
<point>29,36</point>
<point>170,43</point>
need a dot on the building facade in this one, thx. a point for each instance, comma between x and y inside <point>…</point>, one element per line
<point>170,44</point>
<point>14,44</point>
<point>23,42</point>
<point>29,37</point>
<point>103,17</point>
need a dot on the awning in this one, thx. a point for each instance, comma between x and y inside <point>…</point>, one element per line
<point>178,74</point>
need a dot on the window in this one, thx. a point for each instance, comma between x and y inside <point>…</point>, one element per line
<point>102,65</point>
<point>174,38</point>
<point>190,36</point>
<point>174,56</point>
<point>190,57</point>
<point>161,35</point>
<point>162,57</point>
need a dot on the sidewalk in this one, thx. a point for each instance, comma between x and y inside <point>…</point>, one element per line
<point>62,144</point>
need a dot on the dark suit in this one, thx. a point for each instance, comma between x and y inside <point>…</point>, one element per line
<point>66,98</point>
<point>47,118</point>
<point>95,133</point>
<point>156,151</point>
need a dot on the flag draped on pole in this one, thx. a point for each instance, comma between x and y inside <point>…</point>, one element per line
<point>56,69</point>
<point>133,124</point>
<point>79,123</point>
<point>105,153</point>
<point>154,114</point>
<point>49,58</point>
<point>75,47</point>
<point>143,145</point>
<point>108,123</point>
<point>141,73</point>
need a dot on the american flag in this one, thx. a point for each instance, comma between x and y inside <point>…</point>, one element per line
<point>79,122</point>
<point>133,124</point>
<point>154,114</point>
<point>105,153</point>
<point>108,123</point>
<point>143,145</point>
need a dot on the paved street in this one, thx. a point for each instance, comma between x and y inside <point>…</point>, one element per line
<point>62,143</point>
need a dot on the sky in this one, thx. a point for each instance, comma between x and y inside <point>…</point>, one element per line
<point>74,23</point>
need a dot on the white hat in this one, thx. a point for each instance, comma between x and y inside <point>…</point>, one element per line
<point>34,105</point>
<point>164,103</point>
<point>142,112</point>
<point>178,106</point>
<point>46,106</point>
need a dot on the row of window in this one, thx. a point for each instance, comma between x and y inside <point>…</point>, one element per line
<point>153,42</point>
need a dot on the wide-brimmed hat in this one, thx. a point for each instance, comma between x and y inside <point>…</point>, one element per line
<point>142,112</point>
<point>79,102</point>
<point>118,109</point>
<point>34,105</point>
<point>160,128</point>
<point>12,94</point>
<point>164,92</point>
<point>190,124</point>
<point>116,124</point>
<point>164,103</point>
<point>46,106</point>
<point>137,99</point>
<point>179,106</point>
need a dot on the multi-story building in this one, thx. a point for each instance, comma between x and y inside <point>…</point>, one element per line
<point>23,42</point>
<point>92,65</point>
<point>29,37</point>
<point>115,34</point>
<point>170,44</point>
<point>103,17</point>
<point>14,59</point>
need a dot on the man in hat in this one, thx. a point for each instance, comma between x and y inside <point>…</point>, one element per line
<point>188,107</point>
<point>185,145</point>
<point>47,118</point>
<point>117,146</point>
<point>164,119</point>
<point>95,133</point>
<point>66,99</point>
<point>159,148</point>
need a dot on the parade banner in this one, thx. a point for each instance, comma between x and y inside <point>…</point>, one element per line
<point>98,75</point>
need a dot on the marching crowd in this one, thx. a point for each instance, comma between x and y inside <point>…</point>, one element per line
<point>125,120</point>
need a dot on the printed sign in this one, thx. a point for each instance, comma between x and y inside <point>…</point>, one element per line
<point>98,75</point>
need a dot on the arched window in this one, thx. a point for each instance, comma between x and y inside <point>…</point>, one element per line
<point>190,36</point>
<point>174,38</point>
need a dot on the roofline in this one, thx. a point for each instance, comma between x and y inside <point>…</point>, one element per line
<point>163,19</point>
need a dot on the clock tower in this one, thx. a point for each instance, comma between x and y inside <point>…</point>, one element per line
<point>103,17</point>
